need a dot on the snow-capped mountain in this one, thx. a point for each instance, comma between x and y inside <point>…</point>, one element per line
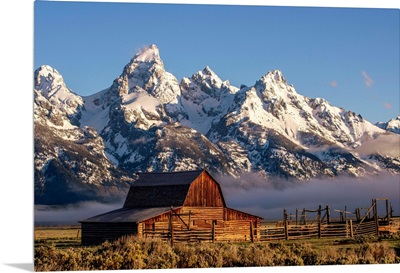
<point>139,118</point>
<point>206,99</point>
<point>60,106</point>
<point>69,161</point>
<point>148,121</point>
<point>393,125</point>
<point>277,131</point>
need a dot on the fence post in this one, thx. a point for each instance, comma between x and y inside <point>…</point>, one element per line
<point>376,217</point>
<point>172,235</point>
<point>251,232</point>
<point>347,230</point>
<point>304,216</point>
<point>189,220</point>
<point>297,216</point>
<point>213,232</point>
<point>170,219</point>
<point>286,230</point>
<point>170,227</point>
<point>351,228</point>
<point>391,210</point>
<point>140,229</point>
<point>319,228</point>
<point>328,214</point>
<point>387,211</point>
<point>319,213</point>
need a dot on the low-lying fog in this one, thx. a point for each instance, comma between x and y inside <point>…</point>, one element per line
<point>266,198</point>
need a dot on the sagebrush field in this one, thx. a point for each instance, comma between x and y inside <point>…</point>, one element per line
<point>58,249</point>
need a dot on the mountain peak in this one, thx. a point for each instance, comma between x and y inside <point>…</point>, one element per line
<point>50,89</point>
<point>48,80</point>
<point>148,54</point>
<point>47,72</point>
<point>275,76</point>
<point>207,71</point>
<point>147,58</point>
<point>47,69</point>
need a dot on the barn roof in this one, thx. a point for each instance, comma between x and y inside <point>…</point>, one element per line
<point>160,189</point>
<point>167,179</point>
<point>127,215</point>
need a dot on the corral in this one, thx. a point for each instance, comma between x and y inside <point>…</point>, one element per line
<point>348,225</point>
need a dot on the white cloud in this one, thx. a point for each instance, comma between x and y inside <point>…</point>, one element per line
<point>367,79</point>
<point>384,144</point>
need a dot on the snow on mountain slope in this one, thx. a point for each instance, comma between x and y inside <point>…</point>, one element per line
<point>146,71</point>
<point>95,114</point>
<point>52,96</point>
<point>296,114</point>
<point>206,98</point>
<point>145,93</point>
<point>70,164</point>
<point>393,125</point>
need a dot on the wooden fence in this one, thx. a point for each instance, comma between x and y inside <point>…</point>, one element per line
<point>332,230</point>
<point>176,236</point>
<point>322,226</point>
<point>247,233</point>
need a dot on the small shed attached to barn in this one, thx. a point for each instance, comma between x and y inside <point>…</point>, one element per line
<point>182,200</point>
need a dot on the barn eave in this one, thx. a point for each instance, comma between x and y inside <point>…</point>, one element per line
<point>128,215</point>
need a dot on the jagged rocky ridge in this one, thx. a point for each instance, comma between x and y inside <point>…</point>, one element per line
<point>88,148</point>
<point>393,125</point>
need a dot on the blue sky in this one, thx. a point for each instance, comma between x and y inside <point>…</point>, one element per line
<point>349,56</point>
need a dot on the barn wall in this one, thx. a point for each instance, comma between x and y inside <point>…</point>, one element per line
<point>233,215</point>
<point>204,192</point>
<point>159,222</point>
<point>204,213</point>
<point>97,233</point>
<point>200,217</point>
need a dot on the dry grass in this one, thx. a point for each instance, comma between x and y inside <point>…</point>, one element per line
<point>57,232</point>
<point>59,236</point>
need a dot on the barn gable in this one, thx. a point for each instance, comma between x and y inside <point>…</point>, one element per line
<point>204,191</point>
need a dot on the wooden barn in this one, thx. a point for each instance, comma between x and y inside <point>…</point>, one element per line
<point>186,200</point>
